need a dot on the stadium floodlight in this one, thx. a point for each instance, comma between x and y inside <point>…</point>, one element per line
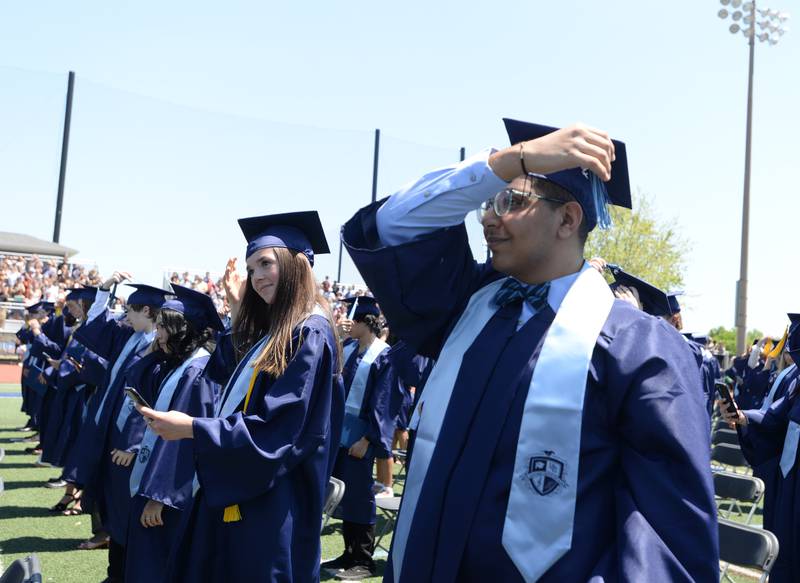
<point>771,23</point>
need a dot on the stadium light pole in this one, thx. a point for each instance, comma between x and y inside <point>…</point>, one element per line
<point>771,23</point>
<point>62,173</point>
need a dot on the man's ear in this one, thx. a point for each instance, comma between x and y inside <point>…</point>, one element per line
<point>571,219</point>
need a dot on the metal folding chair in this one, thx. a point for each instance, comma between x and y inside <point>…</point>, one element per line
<point>389,507</point>
<point>727,436</point>
<point>27,570</point>
<point>728,456</point>
<point>333,495</point>
<point>746,546</point>
<point>735,490</point>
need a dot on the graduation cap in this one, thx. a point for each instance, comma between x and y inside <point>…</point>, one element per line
<point>793,338</point>
<point>360,306</point>
<point>42,306</point>
<point>196,307</point>
<point>653,300</point>
<point>701,339</point>
<point>81,293</point>
<point>688,336</point>
<point>588,189</point>
<point>147,295</point>
<point>300,231</point>
<point>674,304</point>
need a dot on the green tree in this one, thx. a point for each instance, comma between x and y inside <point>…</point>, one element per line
<point>642,244</point>
<point>727,337</point>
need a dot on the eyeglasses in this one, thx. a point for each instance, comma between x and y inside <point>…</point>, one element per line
<point>509,200</point>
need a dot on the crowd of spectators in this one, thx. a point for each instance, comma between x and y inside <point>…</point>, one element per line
<point>211,284</point>
<point>26,279</point>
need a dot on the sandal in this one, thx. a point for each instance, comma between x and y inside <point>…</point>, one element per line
<point>74,511</point>
<point>94,544</point>
<point>62,506</point>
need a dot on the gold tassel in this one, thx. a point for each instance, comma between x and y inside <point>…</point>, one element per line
<point>779,347</point>
<point>232,514</point>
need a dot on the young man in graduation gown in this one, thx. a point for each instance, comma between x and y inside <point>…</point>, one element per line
<point>33,389</point>
<point>769,437</point>
<point>562,434</point>
<point>124,343</point>
<point>367,434</point>
<point>48,341</point>
<point>66,408</point>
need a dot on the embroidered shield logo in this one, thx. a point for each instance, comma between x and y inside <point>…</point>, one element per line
<point>144,455</point>
<point>546,473</point>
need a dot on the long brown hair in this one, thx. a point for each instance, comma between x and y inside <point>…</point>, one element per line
<point>295,297</point>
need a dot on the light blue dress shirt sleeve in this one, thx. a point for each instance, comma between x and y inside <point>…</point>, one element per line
<point>441,198</point>
<point>99,305</point>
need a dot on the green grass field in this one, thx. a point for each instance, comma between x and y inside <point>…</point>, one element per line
<point>27,527</point>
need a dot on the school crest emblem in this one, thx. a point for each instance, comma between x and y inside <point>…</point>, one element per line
<point>546,473</point>
<point>144,455</point>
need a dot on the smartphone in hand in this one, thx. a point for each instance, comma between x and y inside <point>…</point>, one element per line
<point>134,396</point>
<point>724,392</point>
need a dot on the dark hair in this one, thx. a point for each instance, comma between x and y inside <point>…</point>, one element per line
<point>552,190</point>
<point>139,307</point>
<point>295,297</point>
<point>371,321</point>
<point>182,337</point>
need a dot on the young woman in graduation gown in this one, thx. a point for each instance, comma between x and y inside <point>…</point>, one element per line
<point>768,436</point>
<point>562,434</point>
<point>264,460</point>
<point>162,475</point>
<point>367,433</point>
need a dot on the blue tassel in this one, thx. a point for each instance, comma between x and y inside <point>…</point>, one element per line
<point>601,202</point>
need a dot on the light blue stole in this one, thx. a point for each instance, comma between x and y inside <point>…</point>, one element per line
<point>538,525</point>
<point>353,427</point>
<point>776,383</point>
<point>165,394</point>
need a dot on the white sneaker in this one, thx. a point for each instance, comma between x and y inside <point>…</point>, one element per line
<point>385,492</point>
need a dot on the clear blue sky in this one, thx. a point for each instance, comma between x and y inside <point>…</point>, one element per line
<point>191,114</point>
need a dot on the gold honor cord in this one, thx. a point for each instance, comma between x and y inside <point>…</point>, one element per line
<point>233,513</point>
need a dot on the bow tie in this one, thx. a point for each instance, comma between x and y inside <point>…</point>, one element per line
<point>512,290</point>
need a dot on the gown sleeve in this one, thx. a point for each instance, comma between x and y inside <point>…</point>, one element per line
<point>104,335</point>
<point>435,273</point>
<point>666,514</point>
<point>380,421</point>
<point>244,455</point>
<point>94,369</point>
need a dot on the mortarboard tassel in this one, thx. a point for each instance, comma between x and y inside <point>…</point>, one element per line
<point>779,346</point>
<point>601,202</point>
<point>233,513</point>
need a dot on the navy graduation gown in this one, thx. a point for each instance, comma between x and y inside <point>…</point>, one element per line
<point>274,462</point>
<point>66,407</point>
<point>358,503</point>
<point>145,375</point>
<point>105,336</point>
<point>409,369</point>
<point>167,479</point>
<point>645,508</point>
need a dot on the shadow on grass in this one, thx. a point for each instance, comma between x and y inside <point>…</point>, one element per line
<point>17,465</point>
<point>35,544</point>
<point>18,452</point>
<point>16,485</point>
<point>10,512</point>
